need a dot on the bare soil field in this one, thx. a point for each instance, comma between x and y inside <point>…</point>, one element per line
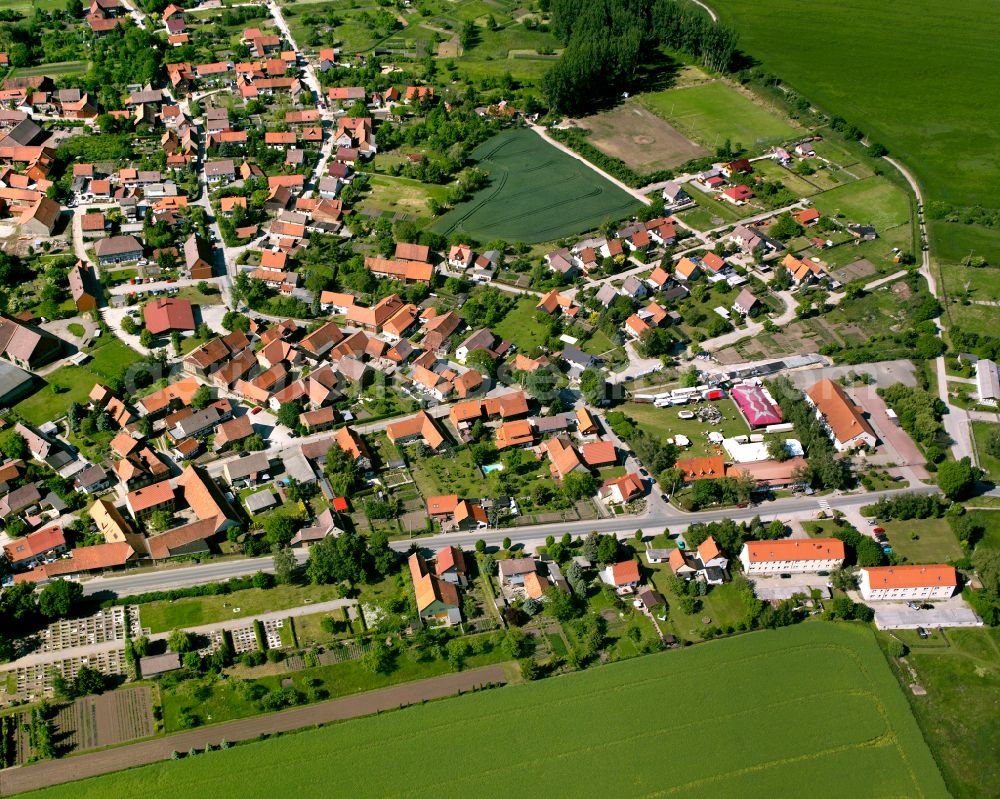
<point>92,722</point>
<point>638,137</point>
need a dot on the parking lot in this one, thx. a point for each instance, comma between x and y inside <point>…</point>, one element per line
<point>778,588</point>
<point>953,612</point>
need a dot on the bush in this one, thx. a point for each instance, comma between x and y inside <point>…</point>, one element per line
<point>896,648</point>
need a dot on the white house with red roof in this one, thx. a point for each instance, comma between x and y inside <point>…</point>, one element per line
<point>908,582</point>
<point>624,575</point>
<point>789,555</point>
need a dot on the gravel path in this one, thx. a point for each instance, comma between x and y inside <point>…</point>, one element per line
<point>54,772</point>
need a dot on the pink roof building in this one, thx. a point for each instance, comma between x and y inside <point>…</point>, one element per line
<point>756,407</point>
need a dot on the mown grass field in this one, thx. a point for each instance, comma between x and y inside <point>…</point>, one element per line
<point>911,75</point>
<point>958,714</point>
<point>403,195</point>
<point>536,193</point>
<point>192,611</point>
<point>951,243</point>
<point>935,541</point>
<point>710,113</point>
<point>990,463</point>
<point>111,359</point>
<point>874,200</point>
<point>54,70</point>
<point>814,705</point>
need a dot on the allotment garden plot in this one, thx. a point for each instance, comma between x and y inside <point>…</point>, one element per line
<point>809,705</point>
<point>536,193</point>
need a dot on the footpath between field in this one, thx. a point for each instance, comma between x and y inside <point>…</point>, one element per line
<point>54,772</point>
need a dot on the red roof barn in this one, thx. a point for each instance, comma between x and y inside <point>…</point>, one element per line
<point>169,314</point>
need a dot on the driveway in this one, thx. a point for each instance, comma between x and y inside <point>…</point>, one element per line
<point>113,319</point>
<point>637,366</point>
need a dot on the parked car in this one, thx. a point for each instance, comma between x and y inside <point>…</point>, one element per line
<point>923,633</point>
<point>785,576</point>
<point>256,409</point>
<point>872,522</point>
<point>878,530</point>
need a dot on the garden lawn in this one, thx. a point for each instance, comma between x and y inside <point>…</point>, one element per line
<point>46,404</point>
<point>721,605</point>
<point>454,475</point>
<point>910,75</point>
<point>521,326</point>
<point>536,193</point>
<point>809,705</point>
<point>936,542</point>
<point>174,614</point>
<point>990,463</point>
<point>710,113</point>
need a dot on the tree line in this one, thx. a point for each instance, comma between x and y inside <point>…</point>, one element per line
<point>607,40</point>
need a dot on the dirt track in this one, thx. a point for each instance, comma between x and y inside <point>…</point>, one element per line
<point>40,775</point>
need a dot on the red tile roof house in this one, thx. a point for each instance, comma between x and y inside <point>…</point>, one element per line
<point>599,453</point>
<point>162,316</point>
<point>143,501</point>
<point>624,576</point>
<point>84,559</point>
<point>442,508</point>
<point>623,489</point>
<point>737,195</point>
<point>449,565</point>
<point>24,553</point>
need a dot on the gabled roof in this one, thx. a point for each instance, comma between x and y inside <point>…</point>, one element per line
<point>563,456</point>
<point>168,543</point>
<point>708,550</point>
<point>428,588</point>
<point>842,415</point>
<point>711,467</point>
<point>911,576</point>
<point>204,497</point>
<point>442,504</point>
<point>449,558</point>
<point>168,314</point>
<point>516,433</point>
<point>150,496</point>
<point>794,549</point>
<point>35,544</point>
<point>625,573</point>
<point>419,425</point>
<point>599,453</point>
